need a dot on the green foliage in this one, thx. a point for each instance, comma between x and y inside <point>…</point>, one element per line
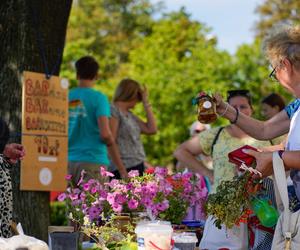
<point>230,201</point>
<point>274,12</point>
<point>58,215</point>
<point>108,30</point>
<point>174,56</point>
<point>176,62</point>
<point>251,72</point>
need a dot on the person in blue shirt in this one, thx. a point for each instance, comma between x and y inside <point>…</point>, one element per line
<point>90,137</point>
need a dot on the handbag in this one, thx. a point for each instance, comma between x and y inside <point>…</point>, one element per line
<point>287,232</point>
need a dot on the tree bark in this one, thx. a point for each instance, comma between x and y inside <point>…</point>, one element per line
<point>20,23</point>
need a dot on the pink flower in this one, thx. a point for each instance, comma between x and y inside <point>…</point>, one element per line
<point>76,202</point>
<point>152,187</point>
<point>120,198</point>
<point>133,173</point>
<point>76,191</point>
<point>117,207</point>
<point>94,190</point>
<point>94,213</point>
<point>86,186</point>
<point>81,177</point>
<point>68,177</point>
<point>132,204</point>
<point>147,202</point>
<point>82,196</point>
<point>161,171</point>
<point>113,183</point>
<point>73,197</point>
<point>129,186</point>
<point>62,197</point>
<point>111,198</point>
<point>105,173</point>
<point>187,175</point>
<point>102,195</point>
<point>162,206</point>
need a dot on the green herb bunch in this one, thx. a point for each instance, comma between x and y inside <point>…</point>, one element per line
<point>231,201</point>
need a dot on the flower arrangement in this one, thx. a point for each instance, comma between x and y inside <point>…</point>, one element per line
<point>231,204</point>
<point>161,195</point>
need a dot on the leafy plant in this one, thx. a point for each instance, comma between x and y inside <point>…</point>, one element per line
<point>159,194</point>
<point>231,202</point>
<point>58,212</point>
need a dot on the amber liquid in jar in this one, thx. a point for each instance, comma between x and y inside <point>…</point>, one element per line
<point>207,110</point>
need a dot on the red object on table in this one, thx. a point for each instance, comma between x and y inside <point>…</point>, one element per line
<point>54,195</point>
<point>238,156</point>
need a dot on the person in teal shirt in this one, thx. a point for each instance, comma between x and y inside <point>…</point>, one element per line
<point>90,137</point>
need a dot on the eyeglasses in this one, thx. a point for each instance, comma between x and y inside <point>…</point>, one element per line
<point>272,75</point>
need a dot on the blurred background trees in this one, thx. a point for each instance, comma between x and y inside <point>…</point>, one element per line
<point>173,55</point>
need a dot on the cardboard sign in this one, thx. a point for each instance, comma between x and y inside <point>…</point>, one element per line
<point>44,132</point>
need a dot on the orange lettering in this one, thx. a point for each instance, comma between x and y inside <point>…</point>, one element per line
<point>44,106</point>
<point>29,105</point>
<point>28,87</point>
<point>37,88</point>
<point>45,87</point>
<point>28,125</point>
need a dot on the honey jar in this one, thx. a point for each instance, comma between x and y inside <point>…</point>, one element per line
<point>206,108</point>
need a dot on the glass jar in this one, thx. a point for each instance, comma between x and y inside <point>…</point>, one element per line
<point>206,109</point>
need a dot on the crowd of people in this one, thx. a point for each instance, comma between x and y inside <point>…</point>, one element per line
<point>104,134</point>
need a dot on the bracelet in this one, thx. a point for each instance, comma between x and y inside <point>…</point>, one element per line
<point>236,117</point>
<point>227,106</point>
<point>280,153</point>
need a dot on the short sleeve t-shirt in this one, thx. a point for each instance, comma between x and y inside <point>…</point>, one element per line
<point>223,169</point>
<point>128,138</point>
<point>85,107</point>
<point>293,141</point>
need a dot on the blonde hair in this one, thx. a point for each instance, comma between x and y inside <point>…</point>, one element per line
<point>128,90</point>
<point>283,42</point>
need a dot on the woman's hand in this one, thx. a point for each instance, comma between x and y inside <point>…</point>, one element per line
<point>145,95</point>
<point>221,105</point>
<point>14,152</point>
<point>264,162</point>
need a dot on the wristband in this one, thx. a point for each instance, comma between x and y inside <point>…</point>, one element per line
<point>227,105</point>
<point>236,116</point>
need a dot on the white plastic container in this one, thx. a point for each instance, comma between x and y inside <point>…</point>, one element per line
<point>154,235</point>
<point>185,241</point>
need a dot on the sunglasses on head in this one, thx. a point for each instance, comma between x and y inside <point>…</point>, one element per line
<point>239,92</point>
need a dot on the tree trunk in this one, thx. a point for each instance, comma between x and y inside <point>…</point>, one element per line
<point>21,25</point>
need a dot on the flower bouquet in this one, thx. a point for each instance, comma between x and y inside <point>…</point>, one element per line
<point>93,204</point>
<point>231,204</point>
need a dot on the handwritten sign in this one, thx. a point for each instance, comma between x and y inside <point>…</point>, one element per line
<point>44,132</point>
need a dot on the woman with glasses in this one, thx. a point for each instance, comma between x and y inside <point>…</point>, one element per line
<point>282,48</point>
<point>218,142</point>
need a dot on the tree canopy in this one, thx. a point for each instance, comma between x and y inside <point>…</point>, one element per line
<point>172,54</point>
<point>275,12</point>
